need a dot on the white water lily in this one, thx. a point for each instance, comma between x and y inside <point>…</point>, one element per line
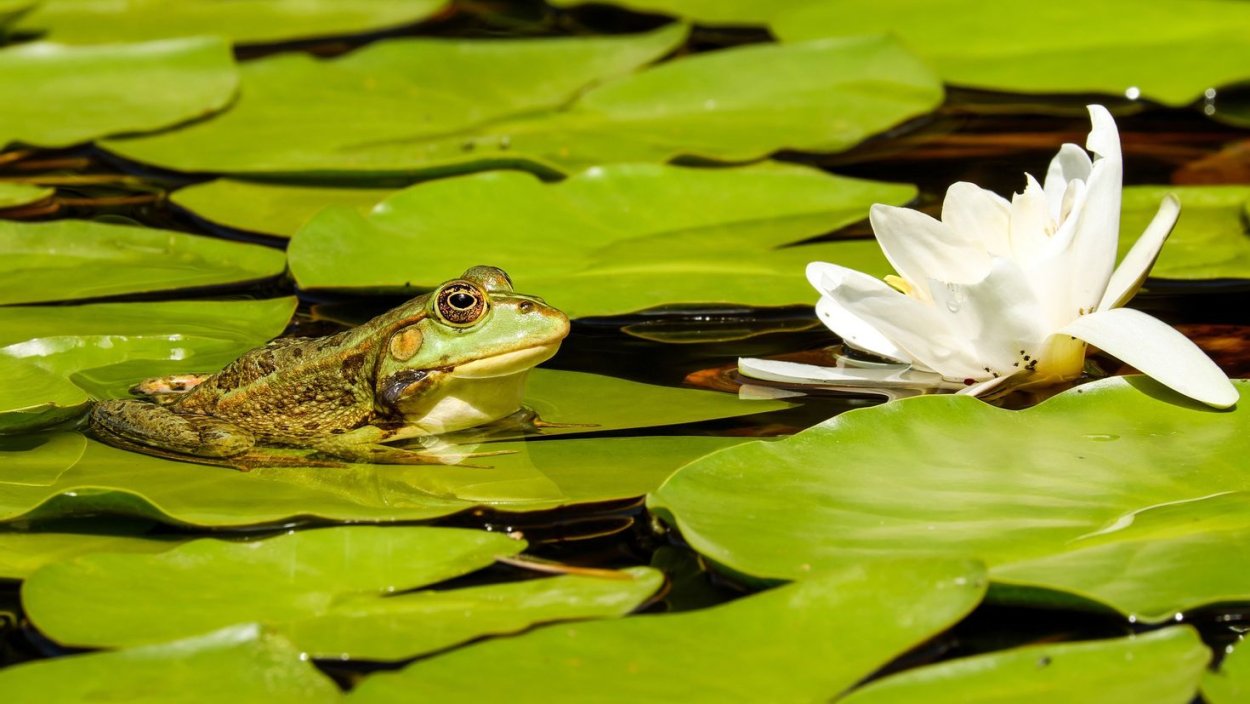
<point>1008,293</point>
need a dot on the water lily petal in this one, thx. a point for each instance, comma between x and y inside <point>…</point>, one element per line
<point>978,214</point>
<point>856,332</point>
<point>1070,164</point>
<point>797,373</point>
<point>1136,265</point>
<point>985,388</point>
<point>1157,350</point>
<point>999,316</point>
<point>1098,223</point>
<point>920,247</point>
<point>1030,221</point>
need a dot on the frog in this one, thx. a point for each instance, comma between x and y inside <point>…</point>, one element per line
<point>452,359</point>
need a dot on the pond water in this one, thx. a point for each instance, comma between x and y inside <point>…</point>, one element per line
<point>986,137</point>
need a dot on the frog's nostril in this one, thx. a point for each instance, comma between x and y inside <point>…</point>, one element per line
<point>525,307</point>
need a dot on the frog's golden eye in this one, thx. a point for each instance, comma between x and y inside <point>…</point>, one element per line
<point>460,303</point>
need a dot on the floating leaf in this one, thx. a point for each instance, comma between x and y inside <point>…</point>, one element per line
<point>241,21</point>
<point>299,114</point>
<point>15,194</point>
<point>135,599</point>
<point>67,259</point>
<point>269,208</point>
<point>1231,683</point>
<point>608,240</point>
<point>1209,241</point>
<point>1161,667</point>
<point>57,475</point>
<point>1169,51</point>
<point>54,357</point>
<point>434,110</point>
<point>24,551</point>
<point>59,96</point>
<point>803,642</point>
<point>1095,468</point>
<point>239,665</point>
<point>708,12</point>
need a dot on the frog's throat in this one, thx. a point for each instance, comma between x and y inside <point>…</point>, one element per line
<point>507,363</point>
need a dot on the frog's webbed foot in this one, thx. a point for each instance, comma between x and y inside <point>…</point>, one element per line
<point>156,426</point>
<point>365,445</point>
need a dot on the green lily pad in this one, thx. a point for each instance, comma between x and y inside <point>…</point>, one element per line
<point>803,642</point>
<point>55,358</point>
<point>1094,468</point>
<point>65,260</point>
<point>1169,51</point>
<point>1231,683</point>
<point>241,21</point>
<point>608,240</point>
<point>269,208</point>
<point>1210,240</point>
<point>1162,667</point>
<point>61,96</point>
<point>707,12</point>
<point>207,584</point>
<point>297,114</point>
<point>64,474</point>
<point>301,116</point>
<point>13,195</point>
<point>240,665</point>
<point>24,551</point>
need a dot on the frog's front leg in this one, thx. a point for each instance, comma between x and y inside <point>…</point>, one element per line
<point>158,426</point>
<point>366,444</point>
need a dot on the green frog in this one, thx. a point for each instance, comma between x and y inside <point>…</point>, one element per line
<point>449,360</point>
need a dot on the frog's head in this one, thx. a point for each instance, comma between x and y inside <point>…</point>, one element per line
<point>473,327</point>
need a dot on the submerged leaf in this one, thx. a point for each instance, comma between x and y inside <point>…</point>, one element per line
<point>608,240</point>
<point>804,642</point>
<point>552,106</point>
<point>236,665</point>
<point>57,96</point>
<point>1162,667</point>
<point>46,261</point>
<point>240,21</point>
<point>1062,496</point>
<point>1170,51</point>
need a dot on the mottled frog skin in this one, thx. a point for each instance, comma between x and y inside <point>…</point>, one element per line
<point>449,360</point>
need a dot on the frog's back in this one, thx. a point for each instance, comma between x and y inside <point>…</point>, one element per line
<point>293,387</point>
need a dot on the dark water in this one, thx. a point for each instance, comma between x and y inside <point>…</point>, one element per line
<point>974,137</point>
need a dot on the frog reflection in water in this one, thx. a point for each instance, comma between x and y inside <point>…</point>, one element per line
<point>449,360</point>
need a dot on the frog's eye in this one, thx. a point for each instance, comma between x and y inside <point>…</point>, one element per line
<point>460,303</point>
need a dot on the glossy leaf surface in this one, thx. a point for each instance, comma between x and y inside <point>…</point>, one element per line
<point>269,208</point>
<point>1169,51</point>
<point>57,96</point>
<point>14,194</point>
<point>1230,684</point>
<point>24,551</point>
<point>1162,667</point>
<point>1030,492</point>
<point>803,642</point>
<point>1210,240</point>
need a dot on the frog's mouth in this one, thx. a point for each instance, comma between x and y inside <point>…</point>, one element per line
<point>506,364</point>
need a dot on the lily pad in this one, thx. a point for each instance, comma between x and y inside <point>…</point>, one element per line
<point>13,195</point>
<point>428,107</point>
<point>60,96</point>
<point>1163,667</point>
<point>239,665</point>
<point>269,208</point>
<point>1094,468</point>
<point>55,358</point>
<point>1210,240</point>
<point>24,551</point>
<point>361,112</point>
<point>1169,51</point>
<point>804,642</point>
<point>706,12</point>
<point>64,474</point>
<point>46,261</point>
<point>207,584</point>
<point>608,240</point>
<point>241,21</point>
<point>1230,684</point>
